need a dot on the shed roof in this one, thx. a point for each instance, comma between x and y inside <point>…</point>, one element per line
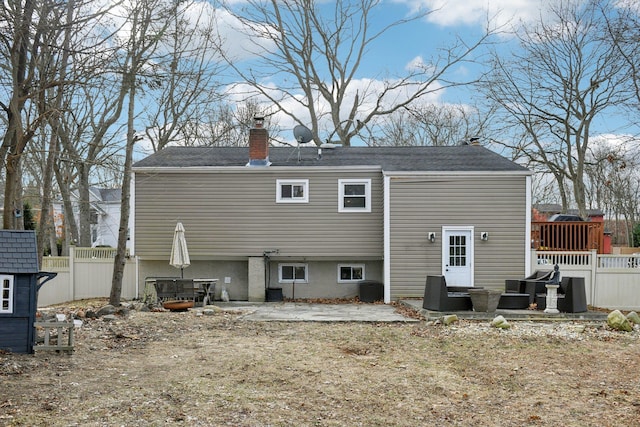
<point>18,252</point>
<point>463,158</point>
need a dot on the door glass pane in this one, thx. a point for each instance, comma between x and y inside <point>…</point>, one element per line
<point>457,251</point>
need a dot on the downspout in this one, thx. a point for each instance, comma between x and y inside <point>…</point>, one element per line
<point>386,266</point>
<point>527,242</point>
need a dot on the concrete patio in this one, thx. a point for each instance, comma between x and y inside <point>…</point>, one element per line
<point>305,312</point>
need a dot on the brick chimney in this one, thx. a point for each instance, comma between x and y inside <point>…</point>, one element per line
<point>258,144</point>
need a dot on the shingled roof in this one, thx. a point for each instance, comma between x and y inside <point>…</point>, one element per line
<point>18,252</point>
<point>463,158</point>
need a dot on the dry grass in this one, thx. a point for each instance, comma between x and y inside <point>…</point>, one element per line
<point>178,368</point>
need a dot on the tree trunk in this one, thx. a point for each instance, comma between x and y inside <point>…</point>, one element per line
<point>70,225</point>
<point>120,258</point>
<point>84,207</point>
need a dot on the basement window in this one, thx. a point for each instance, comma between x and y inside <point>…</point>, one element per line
<point>292,191</point>
<point>292,273</point>
<point>350,273</point>
<point>6,294</point>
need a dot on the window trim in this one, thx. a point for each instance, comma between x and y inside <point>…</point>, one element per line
<point>9,299</point>
<point>293,264</point>
<point>367,194</point>
<point>352,266</point>
<point>303,182</point>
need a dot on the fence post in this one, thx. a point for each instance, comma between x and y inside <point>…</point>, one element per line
<point>72,276</point>
<point>594,275</point>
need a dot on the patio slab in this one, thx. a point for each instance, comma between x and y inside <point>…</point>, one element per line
<point>304,312</point>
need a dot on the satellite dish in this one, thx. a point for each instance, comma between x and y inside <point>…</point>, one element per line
<point>302,134</point>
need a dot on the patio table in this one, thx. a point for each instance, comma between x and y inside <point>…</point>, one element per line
<point>209,287</point>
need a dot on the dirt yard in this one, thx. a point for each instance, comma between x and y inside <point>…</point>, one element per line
<point>162,368</point>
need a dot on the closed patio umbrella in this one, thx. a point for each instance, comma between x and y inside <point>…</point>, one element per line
<point>179,251</point>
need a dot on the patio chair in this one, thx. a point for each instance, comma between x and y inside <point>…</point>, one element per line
<point>572,296</point>
<point>533,284</point>
<point>438,297</point>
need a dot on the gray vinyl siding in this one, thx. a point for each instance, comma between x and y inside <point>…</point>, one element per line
<point>419,205</point>
<point>234,214</point>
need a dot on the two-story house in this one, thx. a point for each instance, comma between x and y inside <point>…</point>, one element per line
<point>316,221</point>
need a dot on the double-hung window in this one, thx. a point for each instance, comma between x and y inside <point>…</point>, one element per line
<point>350,273</point>
<point>290,273</point>
<point>292,191</point>
<point>354,195</point>
<point>6,294</point>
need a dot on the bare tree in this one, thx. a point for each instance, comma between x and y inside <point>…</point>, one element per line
<point>623,22</point>
<point>28,27</point>
<point>148,21</point>
<point>565,74</point>
<point>317,49</point>
<point>227,125</point>
<point>614,186</point>
<point>433,124</point>
<point>186,76</point>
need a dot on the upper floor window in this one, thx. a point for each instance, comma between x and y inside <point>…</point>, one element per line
<point>290,273</point>
<point>6,294</point>
<point>350,273</point>
<point>354,195</point>
<point>292,191</point>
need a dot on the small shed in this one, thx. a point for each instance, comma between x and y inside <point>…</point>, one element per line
<point>19,276</point>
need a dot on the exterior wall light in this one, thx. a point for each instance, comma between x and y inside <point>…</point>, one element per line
<point>484,236</point>
<point>432,237</point>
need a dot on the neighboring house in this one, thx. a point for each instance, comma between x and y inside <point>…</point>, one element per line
<point>105,216</point>
<point>317,221</point>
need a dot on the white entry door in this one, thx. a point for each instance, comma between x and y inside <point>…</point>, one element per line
<point>457,255</point>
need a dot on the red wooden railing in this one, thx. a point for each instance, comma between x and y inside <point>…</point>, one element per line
<point>567,236</point>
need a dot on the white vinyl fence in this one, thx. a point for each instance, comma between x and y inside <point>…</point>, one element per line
<point>612,281</point>
<point>85,273</point>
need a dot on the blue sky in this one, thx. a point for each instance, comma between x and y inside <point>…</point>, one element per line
<point>420,40</point>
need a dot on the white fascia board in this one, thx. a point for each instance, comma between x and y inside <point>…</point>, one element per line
<point>455,173</point>
<point>244,169</point>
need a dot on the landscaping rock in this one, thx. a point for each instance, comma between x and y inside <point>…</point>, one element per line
<point>110,318</point>
<point>500,322</point>
<point>449,319</point>
<point>107,309</point>
<point>633,318</point>
<point>616,320</point>
<point>208,312</point>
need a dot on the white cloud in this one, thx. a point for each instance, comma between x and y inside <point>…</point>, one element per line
<point>448,13</point>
